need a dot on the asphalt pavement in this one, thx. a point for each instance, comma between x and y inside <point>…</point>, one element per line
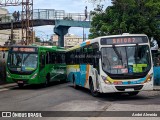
<point>63,97</point>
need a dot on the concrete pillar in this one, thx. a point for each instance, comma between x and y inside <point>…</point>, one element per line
<point>61,31</point>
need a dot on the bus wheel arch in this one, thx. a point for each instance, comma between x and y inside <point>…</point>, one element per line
<point>91,86</point>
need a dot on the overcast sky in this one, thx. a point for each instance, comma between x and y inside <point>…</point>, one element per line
<point>70,6</point>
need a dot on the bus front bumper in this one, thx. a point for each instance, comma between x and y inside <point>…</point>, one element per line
<point>105,88</point>
<point>24,81</point>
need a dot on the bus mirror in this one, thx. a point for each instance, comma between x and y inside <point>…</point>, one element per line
<point>98,54</point>
<point>151,44</point>
<point>4,55</point>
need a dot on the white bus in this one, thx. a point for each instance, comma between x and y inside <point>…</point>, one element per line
<point>108,64</point>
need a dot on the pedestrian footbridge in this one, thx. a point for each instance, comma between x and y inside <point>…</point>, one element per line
<point>59,18</point>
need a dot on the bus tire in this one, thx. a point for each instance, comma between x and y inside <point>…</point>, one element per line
<point>20,85</point>
<point>74,82</point>
<point>94,93</point>
<point>133,93</point>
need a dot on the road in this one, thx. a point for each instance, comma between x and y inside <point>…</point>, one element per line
<point>63,97</point>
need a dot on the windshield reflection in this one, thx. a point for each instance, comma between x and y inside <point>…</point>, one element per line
<point>126,59</point>
<point>22,61</point>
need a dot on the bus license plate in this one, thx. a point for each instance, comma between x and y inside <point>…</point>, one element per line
<point>130,89</point>
<point>20,82</point>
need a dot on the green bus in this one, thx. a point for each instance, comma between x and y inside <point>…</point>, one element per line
<point>35,65</point>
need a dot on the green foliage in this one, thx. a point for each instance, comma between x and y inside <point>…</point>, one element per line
<point>132,16</point>
<point>37,39</point>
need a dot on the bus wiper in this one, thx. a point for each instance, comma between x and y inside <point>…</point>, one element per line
<point>117,53</point>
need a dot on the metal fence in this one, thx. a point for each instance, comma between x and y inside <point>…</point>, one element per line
<point>48,14</point>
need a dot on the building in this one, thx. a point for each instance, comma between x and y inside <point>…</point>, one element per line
<point>4,35</point>
<point>54,39</point>
<point>17,36</point>
<point>4,15</point>
<point>70,40</point>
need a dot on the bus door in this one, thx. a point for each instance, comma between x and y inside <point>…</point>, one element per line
<point>42,71</point>
<point>54,66</point>
<point>59,66</point>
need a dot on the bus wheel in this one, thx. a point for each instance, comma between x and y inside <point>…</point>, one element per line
<point>93,92</point>
<point>74,82</point>
<point>20,85</point>
<point>133,93</point>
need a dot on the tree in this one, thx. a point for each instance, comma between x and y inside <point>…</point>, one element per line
<point>132,16</point>
<point>37,39</point>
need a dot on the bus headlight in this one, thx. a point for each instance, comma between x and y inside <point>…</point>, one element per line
<point>105,80</point>
<point>149,77</point>
<point>8,75</point>
<point>34,76</point>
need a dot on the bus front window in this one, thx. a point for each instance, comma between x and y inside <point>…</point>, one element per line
<point>22,61</point>
<point>126,60</point>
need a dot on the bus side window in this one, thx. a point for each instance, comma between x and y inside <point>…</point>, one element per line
<point>85,59</point>
<point>47,58</point>
<point>95,60</point>
<point>50,58</point>
<point>77,56</point>
<point>67,57</point>
<point>54,58</point>
<point>63,57</point>
<point>58,58</point>
<point>71,57</point>
<point>90,55</point>
<point>82,55</point>
<point>42,59</point>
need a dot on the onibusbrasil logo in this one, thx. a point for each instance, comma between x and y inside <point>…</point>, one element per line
<point>21,114</point>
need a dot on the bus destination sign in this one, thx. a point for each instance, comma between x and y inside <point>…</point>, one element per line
<point>23,49</point>
<point>123,40</point>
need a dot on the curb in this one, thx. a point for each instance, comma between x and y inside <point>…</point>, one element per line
<point>8,85</point>
<point>156,89</point>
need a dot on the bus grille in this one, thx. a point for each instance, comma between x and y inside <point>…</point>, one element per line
<point>135,87</point>
<point>24,80</point>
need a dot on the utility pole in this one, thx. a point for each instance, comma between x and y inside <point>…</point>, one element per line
<point>11,32</point>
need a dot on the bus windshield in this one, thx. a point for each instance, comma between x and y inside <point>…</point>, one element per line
<point>23,62</point>
<point>131,60</point>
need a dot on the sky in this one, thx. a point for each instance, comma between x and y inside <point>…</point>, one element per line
<point>70,6</point>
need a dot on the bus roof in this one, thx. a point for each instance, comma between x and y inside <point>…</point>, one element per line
<point>87,42</point>
<point>121,35</point>
<point>55,48</point>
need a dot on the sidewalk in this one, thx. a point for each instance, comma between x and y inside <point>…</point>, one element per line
<point>156,88</point>
<point>7,85</point>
